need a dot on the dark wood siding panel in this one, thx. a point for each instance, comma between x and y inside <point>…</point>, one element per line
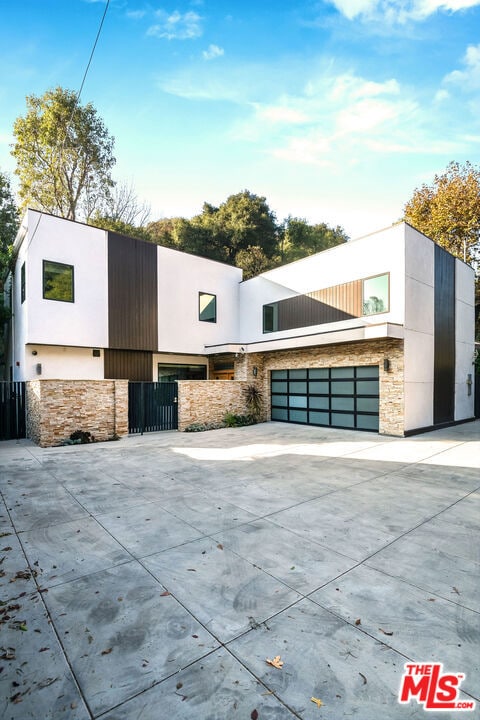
<point>444,341</point>
<point>128,365</point>
<point>132,293</point>
<point>346,297</point>
<point>340,302</point>
<point>304,311</point>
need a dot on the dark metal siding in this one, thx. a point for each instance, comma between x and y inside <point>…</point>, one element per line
<point>341,302</point>
<point>128,365</point>
<point>132,294</point>
<point>444,341</point>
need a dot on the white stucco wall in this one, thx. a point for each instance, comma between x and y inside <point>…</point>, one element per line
<point>19,326</point>
<point>464,339</point>
<point>180,279</point>
<point>83,323</point>
<point>419,329</point>
<point>62,363</point>
<point>375,254</point>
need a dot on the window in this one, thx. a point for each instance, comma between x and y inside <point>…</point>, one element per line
<point>376,295</point>
<point>57,281</point>
<point>22,284</point>
<point>270,317</point>
<point>170,373</point>
<point>207,311</point>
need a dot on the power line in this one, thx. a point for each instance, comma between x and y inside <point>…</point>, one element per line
<point>77,98</point>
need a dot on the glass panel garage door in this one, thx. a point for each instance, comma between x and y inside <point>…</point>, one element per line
<point>344,397</point>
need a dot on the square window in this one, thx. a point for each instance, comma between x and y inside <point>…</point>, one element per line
<point>207,310</point>
<point>376,295</point>
<point>57,281</point>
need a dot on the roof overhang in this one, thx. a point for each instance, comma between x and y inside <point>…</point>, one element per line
<point>334,337</point>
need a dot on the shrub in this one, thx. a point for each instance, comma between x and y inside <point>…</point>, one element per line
<point>254,400</point>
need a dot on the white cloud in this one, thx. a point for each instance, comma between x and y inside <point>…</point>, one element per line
<point>176,26</point>
<point>282,114</point>
<point>469,77</point>
<point>212,52</point>
<point>136,14</point>
<point>401,11</point>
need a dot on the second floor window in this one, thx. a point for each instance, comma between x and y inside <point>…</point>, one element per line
<point>207,310</point>
<point>57,281</point>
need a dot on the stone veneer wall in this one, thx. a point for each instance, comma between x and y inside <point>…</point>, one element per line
<point>205,401</point>
<point>56,408</point>
<point>369,352</point>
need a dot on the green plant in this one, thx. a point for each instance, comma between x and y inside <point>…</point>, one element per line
<point>254,401</point>
<point>202,427</point>
<point>230,420</point>
<point>82,437</point>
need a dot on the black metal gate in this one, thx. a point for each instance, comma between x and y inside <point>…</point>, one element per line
<point>12,410</point>
<point>477,395</point>
<point>152,406</point>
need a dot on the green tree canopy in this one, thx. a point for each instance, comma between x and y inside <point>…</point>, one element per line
<point>8,224</point>
<point>243,231</point>
<point>301,239</point>
<point>64,156</point>
<point>448,210</point>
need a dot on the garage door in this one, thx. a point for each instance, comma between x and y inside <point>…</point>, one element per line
<point>342,397</point>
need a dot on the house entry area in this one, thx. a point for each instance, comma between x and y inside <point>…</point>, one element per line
<point>340,397</point>
<point>152,406</point>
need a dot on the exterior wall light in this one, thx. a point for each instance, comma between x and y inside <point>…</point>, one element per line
<point>255,371</point>
<point>386,364</point>
<point>34,352</point>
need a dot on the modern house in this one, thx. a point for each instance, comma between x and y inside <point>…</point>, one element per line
<point>375,334</point>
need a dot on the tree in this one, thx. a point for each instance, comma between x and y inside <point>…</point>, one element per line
<point>8,225</point>
<point>448,211</point>
<point>64,156</point>
<point>123,205</point>
<point>8,230</point>
<point>245,220</point>
<point>299,239</point>
<point>122,228</point>
<point>253,261</point>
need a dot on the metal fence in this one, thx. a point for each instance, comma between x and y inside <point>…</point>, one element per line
<point>12,410</point>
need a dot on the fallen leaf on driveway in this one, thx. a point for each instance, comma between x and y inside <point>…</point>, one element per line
<point>276,662</point>
<point>107,652</point>
<point>455,590</point>
<point>358,621</point>
<point>363,678</point>
<point>164,594</point>
<point>254,714</point>
<point>220,546</point>
<point>385,632</point>
<point>317,702</point>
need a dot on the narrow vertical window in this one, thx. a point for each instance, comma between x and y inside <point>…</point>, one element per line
<point>270,318</point>
<point>207,310</point>
<point>22,284</point>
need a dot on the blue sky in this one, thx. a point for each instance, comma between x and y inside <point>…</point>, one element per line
<point>334,110</point>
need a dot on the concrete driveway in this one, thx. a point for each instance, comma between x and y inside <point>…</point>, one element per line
<point>153,577</point>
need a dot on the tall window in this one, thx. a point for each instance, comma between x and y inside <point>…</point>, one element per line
<point>57,281</point>
<point>207,308</point>
<point>270,317</point>
<point>22,284</point>
<point>376,295</point>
